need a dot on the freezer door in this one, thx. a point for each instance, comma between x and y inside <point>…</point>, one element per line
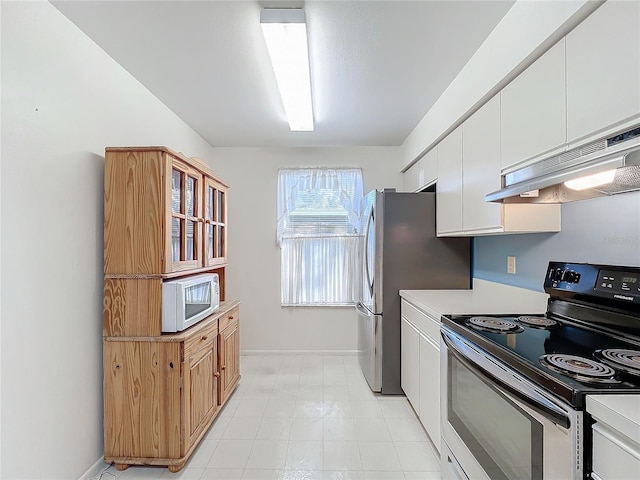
<point>370,346</point>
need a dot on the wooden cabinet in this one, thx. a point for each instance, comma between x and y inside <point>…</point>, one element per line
<point>165,216</point>
<point>423,173</point>
<point>163,213</point>
<point>534,110</point>
<point>161,394</point>
<point>229,344</point>
<point>449,186</point>
<point>420,366</point>
<point>603,72</point>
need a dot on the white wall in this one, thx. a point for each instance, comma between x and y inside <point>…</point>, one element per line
<point>63,101</point>
<point>254,273</point>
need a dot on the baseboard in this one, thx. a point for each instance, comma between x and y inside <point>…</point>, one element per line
<point>95,470</point>
<point>299,352</point>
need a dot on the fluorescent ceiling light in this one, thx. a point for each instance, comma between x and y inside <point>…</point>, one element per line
<point>285,33</point>
<point>591,181</point>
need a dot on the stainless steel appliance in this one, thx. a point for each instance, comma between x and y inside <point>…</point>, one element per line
<point>400,251</point>
<point>514,387</point>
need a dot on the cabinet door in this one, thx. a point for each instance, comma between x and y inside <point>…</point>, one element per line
<point>481,168</point>
<point>603,69</point>
<point>185,243</point>
<point>215,222</point>
<point>423,173</point>
<point>533,109</point>
<point>430,389</point>
<point>229,347</point>
<point>449,186</point>
<point>410,363</point>
<point>200,390</point>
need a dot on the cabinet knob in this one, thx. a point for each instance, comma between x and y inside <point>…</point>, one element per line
<point>230,317</point>
<point>216,374</point>
<point>223,367</point>
<point>204,337</point>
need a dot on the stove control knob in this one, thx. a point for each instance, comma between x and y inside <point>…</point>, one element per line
<point>555,274</point>
<point>570,276</point>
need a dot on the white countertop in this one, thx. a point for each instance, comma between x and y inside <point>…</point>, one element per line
<point>485,297</point>
<point>621,412</point>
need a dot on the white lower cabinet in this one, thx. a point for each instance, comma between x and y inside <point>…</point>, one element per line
<point>615,456</point>
<point>420,357</point>
<point>616,436</point>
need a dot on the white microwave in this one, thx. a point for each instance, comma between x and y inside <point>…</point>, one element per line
<point>187,300</point>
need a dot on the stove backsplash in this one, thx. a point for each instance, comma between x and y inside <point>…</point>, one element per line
<point>602,230</point>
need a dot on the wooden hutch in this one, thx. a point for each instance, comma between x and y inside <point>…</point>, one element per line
<point>165,216</point>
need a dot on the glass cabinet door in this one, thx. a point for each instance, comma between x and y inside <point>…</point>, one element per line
<point>215,222</point>
<point>186,251</point>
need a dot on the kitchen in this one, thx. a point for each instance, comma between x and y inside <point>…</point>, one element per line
<point>56,124</point>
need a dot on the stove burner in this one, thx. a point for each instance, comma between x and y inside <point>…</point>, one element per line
<point>625,360</point>
<point>494,325</point>
<point>580,368</point>
<point>536,322</point>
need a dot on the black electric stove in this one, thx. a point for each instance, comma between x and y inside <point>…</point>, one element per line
<point>587,342</point>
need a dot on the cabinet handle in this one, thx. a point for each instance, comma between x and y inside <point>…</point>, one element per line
<point>204,337</point>
<point>230,317</point>
<point>217,374</point>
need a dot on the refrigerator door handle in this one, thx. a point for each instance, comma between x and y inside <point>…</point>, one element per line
<point>366,252</point>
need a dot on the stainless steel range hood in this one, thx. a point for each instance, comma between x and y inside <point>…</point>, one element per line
<point>544,181</point>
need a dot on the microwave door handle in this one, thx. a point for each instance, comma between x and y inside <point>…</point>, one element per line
<point>533,400</point>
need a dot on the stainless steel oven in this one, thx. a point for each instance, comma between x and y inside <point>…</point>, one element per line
<point>514,387</point>
<point>501,426</point>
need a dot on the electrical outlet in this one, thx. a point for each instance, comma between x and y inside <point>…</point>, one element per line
<point>511,265</point>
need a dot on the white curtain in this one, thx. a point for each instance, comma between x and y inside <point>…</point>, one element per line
<point>319,233</point>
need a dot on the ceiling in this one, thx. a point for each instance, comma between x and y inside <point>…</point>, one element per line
<point>376,66</point>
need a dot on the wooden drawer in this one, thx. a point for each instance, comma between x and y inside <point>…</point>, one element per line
<point>423,322</point>
<point>230,318</point>
<point>200,339</point>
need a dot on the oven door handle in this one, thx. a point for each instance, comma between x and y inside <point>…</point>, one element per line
<point>532,399</point>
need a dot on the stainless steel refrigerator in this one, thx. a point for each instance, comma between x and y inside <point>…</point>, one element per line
<point>400,251</point>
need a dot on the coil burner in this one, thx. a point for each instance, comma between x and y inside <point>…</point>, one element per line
<point>536,322</point>
<point>626,360</point>
<point>494,325</point>
<point>580,368</point>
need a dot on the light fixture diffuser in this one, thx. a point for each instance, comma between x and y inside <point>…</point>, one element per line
<point>591,181</point>
<point>285,33</point>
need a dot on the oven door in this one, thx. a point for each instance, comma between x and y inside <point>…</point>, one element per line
<point>499,426</point>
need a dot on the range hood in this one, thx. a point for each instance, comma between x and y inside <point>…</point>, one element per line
<point>552,180</point>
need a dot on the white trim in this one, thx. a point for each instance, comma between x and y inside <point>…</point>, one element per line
<point>299,352</point>
<point>95,470</point>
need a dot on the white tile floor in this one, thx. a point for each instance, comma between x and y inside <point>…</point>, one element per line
<point>306,417</point>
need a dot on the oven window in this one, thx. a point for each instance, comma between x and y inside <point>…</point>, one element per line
<point>505,440</point>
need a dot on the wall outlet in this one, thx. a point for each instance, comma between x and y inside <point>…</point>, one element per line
<point>511,265</point>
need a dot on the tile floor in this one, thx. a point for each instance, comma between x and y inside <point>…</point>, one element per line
<point>299,417</point>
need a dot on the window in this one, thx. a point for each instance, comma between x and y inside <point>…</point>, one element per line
<point>319,233</point>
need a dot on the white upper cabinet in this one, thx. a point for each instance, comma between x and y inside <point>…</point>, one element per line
<point>534,110</point>
<point>603,71</point>
<point>481,167</point>
<point>449,186</point>
<point>468,169</point>
<point>422,173</point>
